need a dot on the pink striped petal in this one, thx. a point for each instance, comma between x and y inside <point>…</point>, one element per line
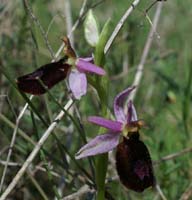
<point>118,104</point>
<point>112,125</point>
<point>98,145</point>
<point>78,84</point>
<point>132,114</point>
<point>85,66</point>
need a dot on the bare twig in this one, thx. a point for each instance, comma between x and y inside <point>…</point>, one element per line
<point>37,22</point>
<point>173,155</point>
<point>33,154</point>
<point>83,190</point>
<point>11,145</point>
<point>187,194</point>
<point>11,164</point>
<point>69,22</point>
<point>120,25</point>
<point>148,43</point>
<point>81,14</point>
<point>38,187</point>
<point>37,168</point>
<point>160,192</point>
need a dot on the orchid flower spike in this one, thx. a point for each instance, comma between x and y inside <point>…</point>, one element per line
<point>125,123</point>
<point>70,66</point>
<point>80,67</point>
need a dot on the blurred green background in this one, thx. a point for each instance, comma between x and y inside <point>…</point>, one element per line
<point>163,100</point>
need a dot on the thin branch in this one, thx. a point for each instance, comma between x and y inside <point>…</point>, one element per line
<point>147,47</point>
<point>37,22</point>
<point>38,187</point>
<point>35,151</point>
<point>83,190</point>
<point>120,25</point>
<point>67,11</point>
<point>160,192</point>
<point>187,194</point>
<point>11,145</point>
<point>81,14</point>
<point>37,168</point>
<point>173,155</point>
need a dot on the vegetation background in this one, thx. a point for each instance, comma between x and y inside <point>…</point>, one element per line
<point>163,100</point>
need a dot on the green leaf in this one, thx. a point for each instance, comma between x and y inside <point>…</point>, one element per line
<point>99,51</point>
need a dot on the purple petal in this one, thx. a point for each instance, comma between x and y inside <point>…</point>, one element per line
<point>132,114</point>
<point>98,145</point>
<point>118,104</point>
<point>112,125</point>
<point>85,66</point>
<point>78,84</point>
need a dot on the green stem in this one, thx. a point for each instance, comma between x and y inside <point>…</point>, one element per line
<point>101,170</point>
<point>102,88</point>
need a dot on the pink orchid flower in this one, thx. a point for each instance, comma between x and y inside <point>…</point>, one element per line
<point>124,123</point>
<point>133,162</point>
<point>50,74</point>
<point>77,76</point>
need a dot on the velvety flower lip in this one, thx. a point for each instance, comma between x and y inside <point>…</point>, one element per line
<point>100,144</point>
<point>85,66</point>
<point>109,124</point>
<point>118,104</point>
<point>106,142</point>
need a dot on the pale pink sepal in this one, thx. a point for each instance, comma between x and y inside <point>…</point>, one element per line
<point>109,124</point>
<point>100,144</point>
<point>78,83</point>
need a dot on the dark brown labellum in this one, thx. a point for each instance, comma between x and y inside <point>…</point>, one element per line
<point>46,76</point>
<point>134,164</point>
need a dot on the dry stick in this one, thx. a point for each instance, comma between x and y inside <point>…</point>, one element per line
<point>36,21</point>
<point>157,187</point>
<point>83,190</point>
<point>37,186</point>
<point>173,155</point>
<point>67,10</point>
<point>187,194</point>
<point>120,25</point>
<point>35,151</point>
<point>12,144</point>
<point>12,164</point>
<point>81,13</point>
<point>148,43</point>
<point>37,168</point>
